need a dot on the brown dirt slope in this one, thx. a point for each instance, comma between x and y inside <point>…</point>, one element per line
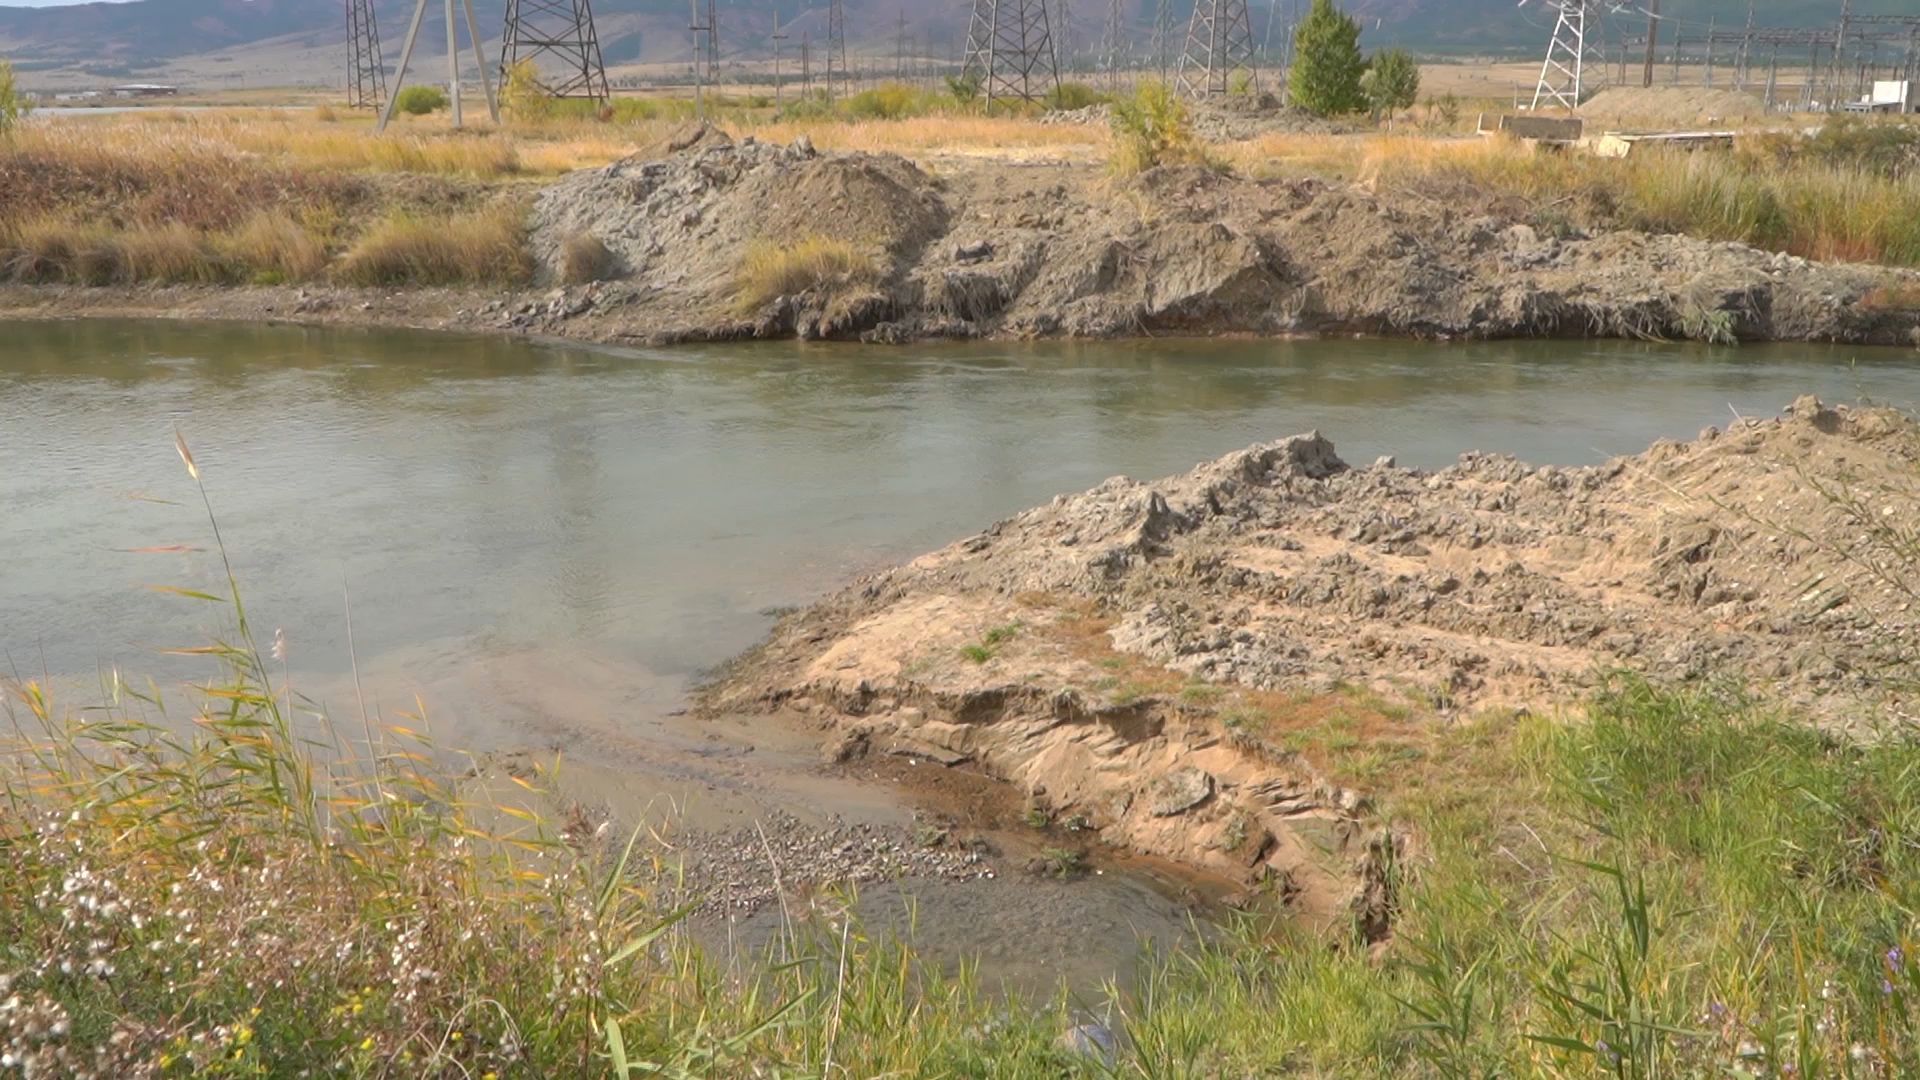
<point>1061,649</point>
<point>1025,250</point>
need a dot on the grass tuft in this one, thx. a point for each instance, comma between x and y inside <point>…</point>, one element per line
<point>481,247</point>
<point>769,270</point>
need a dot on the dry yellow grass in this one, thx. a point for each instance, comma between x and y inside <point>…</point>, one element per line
<point>771,269</point>
<point>485,246</point>
<point>982,134</point>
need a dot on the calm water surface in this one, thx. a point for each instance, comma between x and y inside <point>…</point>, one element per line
<point>546,542</point>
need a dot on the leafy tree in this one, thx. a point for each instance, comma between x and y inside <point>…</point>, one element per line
<point>1328,68</point>
<point>1153,128</point>
<point>13,105</point>
<point>522,93</point>
<point>1392,82</point>
<point>421,100</point>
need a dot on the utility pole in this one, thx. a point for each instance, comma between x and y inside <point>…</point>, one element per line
<point>779,35</point>
<point>1839,55</point>
<point>806,63</point>
<point>1677,35</point>
<point>453,63</point>
<point>698,29</point>
<point>1653,39</point>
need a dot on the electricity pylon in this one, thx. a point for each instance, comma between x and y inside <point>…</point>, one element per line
<point>366,78</point>
<point>1219,47</point>
<point>1565,65</point>
<point>562,32</point>
<point>1010,51</point>
<point>453,63</point>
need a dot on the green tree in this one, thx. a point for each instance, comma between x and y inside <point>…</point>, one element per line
<point>13,105</point>
<point>1392,82</point>
<point>525,99</point>
<point>421,100</point>
<point>1326,74</point>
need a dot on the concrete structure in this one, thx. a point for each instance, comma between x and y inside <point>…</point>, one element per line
<point>1619,144</point>
<point>1894,96</point>
<point>133,90</point>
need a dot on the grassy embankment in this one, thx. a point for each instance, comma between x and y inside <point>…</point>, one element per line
<point>276,196</point>
<point>1665,882</point>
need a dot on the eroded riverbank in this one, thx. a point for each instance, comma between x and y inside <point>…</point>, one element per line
<point>1214,667</point>
<point>653,249</point>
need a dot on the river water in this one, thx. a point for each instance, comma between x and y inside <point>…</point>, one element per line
<point>545,543</point>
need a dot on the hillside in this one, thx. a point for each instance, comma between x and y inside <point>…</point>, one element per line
<point>247,41</point>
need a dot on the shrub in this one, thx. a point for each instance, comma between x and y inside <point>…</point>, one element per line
<point>1074,95</point>
<point>1153,129</point>
<point>890,102</point>
<point>482,247</point>
<point>523,96</point>
<point>421,100</point>
<point>963,88</point>
<point>771,270</point>
<point>1392,82</point>
<point>326,114</point>
<point>1326,76</point>
<point>12,105</point>
<point>584,257</point>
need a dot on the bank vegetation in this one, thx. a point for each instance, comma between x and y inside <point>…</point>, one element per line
<point>1658,881</point>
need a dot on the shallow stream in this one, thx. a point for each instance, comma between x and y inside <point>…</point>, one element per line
<point>546,543</point>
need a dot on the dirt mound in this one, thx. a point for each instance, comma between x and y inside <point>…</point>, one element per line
<point>1246,116</point>
<point>1012,250</point>
<point>1667,107</point>
<point>681,225</point>
<point>1060,647</point>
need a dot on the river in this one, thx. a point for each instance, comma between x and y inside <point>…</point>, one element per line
<point>545,543</point>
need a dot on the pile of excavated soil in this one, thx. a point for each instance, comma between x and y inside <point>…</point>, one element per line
<point>1765,553</point>
<point>680,227</point>
<point>1659,107</point>
<point>1008,250</point>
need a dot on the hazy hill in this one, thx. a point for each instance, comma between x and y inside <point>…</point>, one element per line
<point>257,39</point>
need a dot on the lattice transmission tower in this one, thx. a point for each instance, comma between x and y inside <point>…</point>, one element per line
<point>1113,42</point>
<point>1219,49</point>
<point>1162,46</point>
<point>453,63</point>
<point>366,76</point>
<point>837,48</point>
<point>1562,72</point>
<point>1010,51</point>
<point>561,33</point>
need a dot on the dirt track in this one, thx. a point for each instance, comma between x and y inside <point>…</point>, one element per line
<point>1144,656</point>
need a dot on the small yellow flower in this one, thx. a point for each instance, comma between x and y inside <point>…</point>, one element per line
<point>456,1036</point>
<point>366,1043</point>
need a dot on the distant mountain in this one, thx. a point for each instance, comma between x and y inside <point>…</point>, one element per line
<point>297,38</point>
